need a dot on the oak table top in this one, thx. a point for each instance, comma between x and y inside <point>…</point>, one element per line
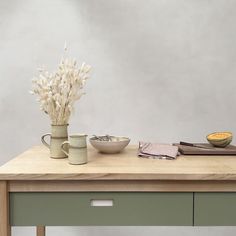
<point>182,181</point>
<point>35,164</point>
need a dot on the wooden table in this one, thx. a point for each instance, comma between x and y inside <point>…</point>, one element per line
<point>119,189</point>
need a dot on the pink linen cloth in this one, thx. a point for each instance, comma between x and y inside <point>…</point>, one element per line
<point>157,151</point>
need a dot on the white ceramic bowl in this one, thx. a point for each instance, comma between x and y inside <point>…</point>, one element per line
<point>117,144</point>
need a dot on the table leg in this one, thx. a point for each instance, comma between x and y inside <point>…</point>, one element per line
<point>40,230</point>
<point>5,228</point>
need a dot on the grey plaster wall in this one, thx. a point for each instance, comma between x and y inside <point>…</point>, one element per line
<point>163,70</point>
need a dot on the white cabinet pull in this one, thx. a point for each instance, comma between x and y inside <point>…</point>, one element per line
<point>101,202</point>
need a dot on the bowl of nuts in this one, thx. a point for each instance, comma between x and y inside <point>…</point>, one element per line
<point>109,144</point>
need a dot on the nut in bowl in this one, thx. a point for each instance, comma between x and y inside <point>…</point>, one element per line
<point>109,144</point>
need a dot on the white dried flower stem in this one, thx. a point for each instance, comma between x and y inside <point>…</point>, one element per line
<point>58,91</point>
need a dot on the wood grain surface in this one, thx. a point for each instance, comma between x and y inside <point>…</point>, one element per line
<point>5,229</point>
<point>40,231</point>
<point>122,186</point>
<point>209,150</point>
<point>35,164</point>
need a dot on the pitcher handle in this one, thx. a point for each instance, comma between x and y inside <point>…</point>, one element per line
<point>62,147</point>
<point>43,140</point>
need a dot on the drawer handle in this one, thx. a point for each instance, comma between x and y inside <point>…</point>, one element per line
<point>101,202</point>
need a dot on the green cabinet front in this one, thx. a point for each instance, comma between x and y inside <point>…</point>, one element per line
<point>124,208</point>
<point>215,209</point>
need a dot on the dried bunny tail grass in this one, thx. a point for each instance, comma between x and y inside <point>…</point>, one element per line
<point>58,91</point>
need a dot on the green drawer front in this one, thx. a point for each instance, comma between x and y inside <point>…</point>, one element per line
<point>215,209</point>
<point>67,209</point>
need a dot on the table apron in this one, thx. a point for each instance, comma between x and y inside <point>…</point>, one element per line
<point>122,186</point>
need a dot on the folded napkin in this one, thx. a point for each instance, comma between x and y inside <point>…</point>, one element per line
<point>157,151</point>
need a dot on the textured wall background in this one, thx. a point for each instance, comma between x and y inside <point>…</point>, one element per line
<point>163,70</point>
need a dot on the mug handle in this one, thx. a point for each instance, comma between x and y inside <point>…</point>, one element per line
<point>43,140</point>
<point>62,147</point>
